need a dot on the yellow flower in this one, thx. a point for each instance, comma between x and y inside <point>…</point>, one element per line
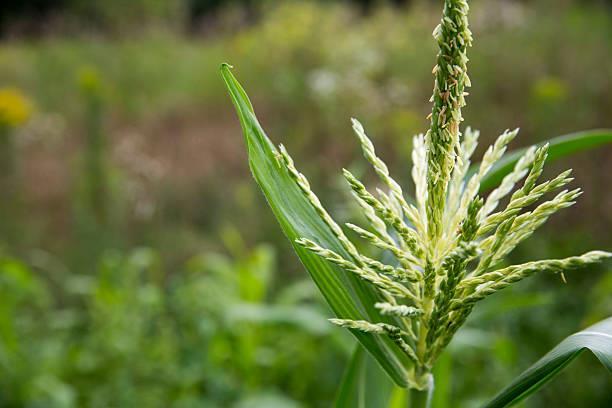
<point>550,89</point>
<point>88,79</point>
<point>15,107</point>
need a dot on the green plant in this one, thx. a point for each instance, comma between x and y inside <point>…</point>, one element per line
<point>97,199</point>
<point>214,333</point>
<point>95,183</point>
<point>15,110</point>
<point>448,244</point>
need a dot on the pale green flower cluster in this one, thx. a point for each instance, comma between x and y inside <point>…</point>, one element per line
<point>432,296</point>
<point>448,244</point>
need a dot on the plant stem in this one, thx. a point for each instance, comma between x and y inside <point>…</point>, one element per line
<point>422,398</point>
<point>9,185</point>
<point>96,182</point>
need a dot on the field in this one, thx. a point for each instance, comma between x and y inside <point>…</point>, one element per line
<point>140,264</point>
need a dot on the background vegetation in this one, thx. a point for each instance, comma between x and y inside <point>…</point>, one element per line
<point>140,266</point>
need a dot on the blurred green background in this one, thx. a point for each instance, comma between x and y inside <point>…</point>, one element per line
<point>140,265</point>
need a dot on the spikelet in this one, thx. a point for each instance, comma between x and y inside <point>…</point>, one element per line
<point>477,288</point>
<point>419,177</point>
<point>398,310</point>
<point>393,332</point>
<point>509,181</point>
<point>462,165</point>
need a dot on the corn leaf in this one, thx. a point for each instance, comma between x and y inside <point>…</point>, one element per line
<point>350,392</point>
<point>364,385</point>
<point>559,147</point>
<point>597,339</point>
<point>348,296</point>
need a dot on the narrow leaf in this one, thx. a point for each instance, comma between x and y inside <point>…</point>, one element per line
<point>597,339</point>
<point>559,147</point>
<point>348,296</point>
<point>350,393</point>
<point>364,385</point>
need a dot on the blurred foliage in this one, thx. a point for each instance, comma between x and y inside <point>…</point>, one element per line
<point>112,16</point>
<point>211,335</point>
<point>133,145</point>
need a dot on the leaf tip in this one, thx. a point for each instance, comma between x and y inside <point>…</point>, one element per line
<point>225,67</point>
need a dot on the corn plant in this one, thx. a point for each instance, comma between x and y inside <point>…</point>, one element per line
<point>447,244</point>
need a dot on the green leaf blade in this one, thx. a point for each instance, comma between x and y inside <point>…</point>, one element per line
<point>364,385</point>
<point>596,338</point>
<point>351,390</point>
<point>348,296</point>
<point>558,147</point>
